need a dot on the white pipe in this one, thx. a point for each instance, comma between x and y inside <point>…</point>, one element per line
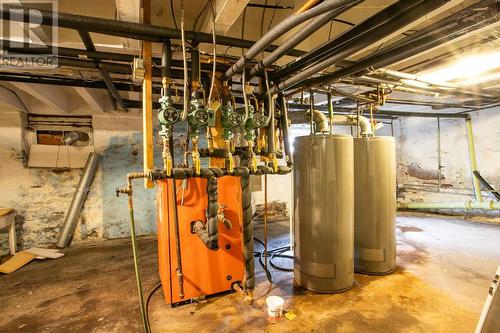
<point>469,204</point>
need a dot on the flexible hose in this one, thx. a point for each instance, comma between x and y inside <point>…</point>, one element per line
<point>245,99</point>
<point>138,279</point>
<point>272,254</point>
<point>214,55</point>
<point>184,62</point>
<point>248,245</point>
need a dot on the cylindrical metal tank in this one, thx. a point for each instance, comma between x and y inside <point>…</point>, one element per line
<point>324,212</point>
<point>375,205</point>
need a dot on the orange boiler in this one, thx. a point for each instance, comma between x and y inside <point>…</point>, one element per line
<point>205,272</point>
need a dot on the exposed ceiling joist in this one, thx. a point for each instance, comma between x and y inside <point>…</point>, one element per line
<point>49,95</point>
<point>9,99</point>
<point>129,11</point>
<point>92,98</point>
<point>227,11</point>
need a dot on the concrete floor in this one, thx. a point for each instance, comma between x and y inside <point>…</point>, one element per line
<point>445,266</point>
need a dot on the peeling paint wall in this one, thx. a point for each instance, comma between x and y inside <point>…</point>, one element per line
<point>42,196</point>
<point>417,156</point>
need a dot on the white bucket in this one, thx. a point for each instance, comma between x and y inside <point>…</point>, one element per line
<point>274,308</point>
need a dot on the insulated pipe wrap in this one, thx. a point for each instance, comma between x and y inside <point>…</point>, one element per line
<point>280,29</point>
<point>209,232</point>
<point>248,245</point>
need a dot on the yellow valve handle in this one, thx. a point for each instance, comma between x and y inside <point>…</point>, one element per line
<point>169,167</point>
<point>197,165</point>
<point>275,165</point>
<point>230,162</point>
<point>254,164</point>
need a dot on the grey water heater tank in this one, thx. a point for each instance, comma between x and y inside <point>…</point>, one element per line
<point>323,212</point>
<point>375,205</point>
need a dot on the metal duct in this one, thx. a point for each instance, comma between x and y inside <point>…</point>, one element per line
<point>78,200</point>
<point>324,212</point>
<point>71,138</point>
<point>375,205</point>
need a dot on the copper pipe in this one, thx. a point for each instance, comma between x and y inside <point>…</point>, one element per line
<point>308,5</point>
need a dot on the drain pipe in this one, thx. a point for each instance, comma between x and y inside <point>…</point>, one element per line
<point>78,200</point>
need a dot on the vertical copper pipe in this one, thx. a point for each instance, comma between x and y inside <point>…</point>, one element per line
<point>308,5</point>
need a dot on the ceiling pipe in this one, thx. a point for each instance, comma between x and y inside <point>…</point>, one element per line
<point>280,29</point>
<point>472,12</point>
<point>115,97</point>
<point>146,32</point>
<point>469,23</point>
<point>299,37</point>
<point>361,42</point>
<point>436,86</point>
<point>379,113</point>
<point>81,54</point>
<point>362,29</point>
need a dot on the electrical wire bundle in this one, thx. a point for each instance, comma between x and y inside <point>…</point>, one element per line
<point>272,254</point>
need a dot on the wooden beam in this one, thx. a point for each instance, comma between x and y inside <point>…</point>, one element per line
<point>147,100</point>
<point>94,100</point>
<point>51,96</point>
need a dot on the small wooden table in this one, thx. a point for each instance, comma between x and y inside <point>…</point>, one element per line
<point>7,220</point>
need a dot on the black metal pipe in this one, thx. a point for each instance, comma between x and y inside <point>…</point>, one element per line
<point>166,67</point>
<point>80,54</point>
<point>328,48</point>
<point>195,65</point>
<point>284,129</point>
<point>360,42</point>
<point>486,184</point>
<point>411,48</point>
<point>258,5</point>
<point>114,94</point>
<point>125,29</point>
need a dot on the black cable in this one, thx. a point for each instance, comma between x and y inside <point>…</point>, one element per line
<point>173,13</point>
<point>18,98</point>
<point>272,254</point>
<point>202,11</point>
<point>151,293</point>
